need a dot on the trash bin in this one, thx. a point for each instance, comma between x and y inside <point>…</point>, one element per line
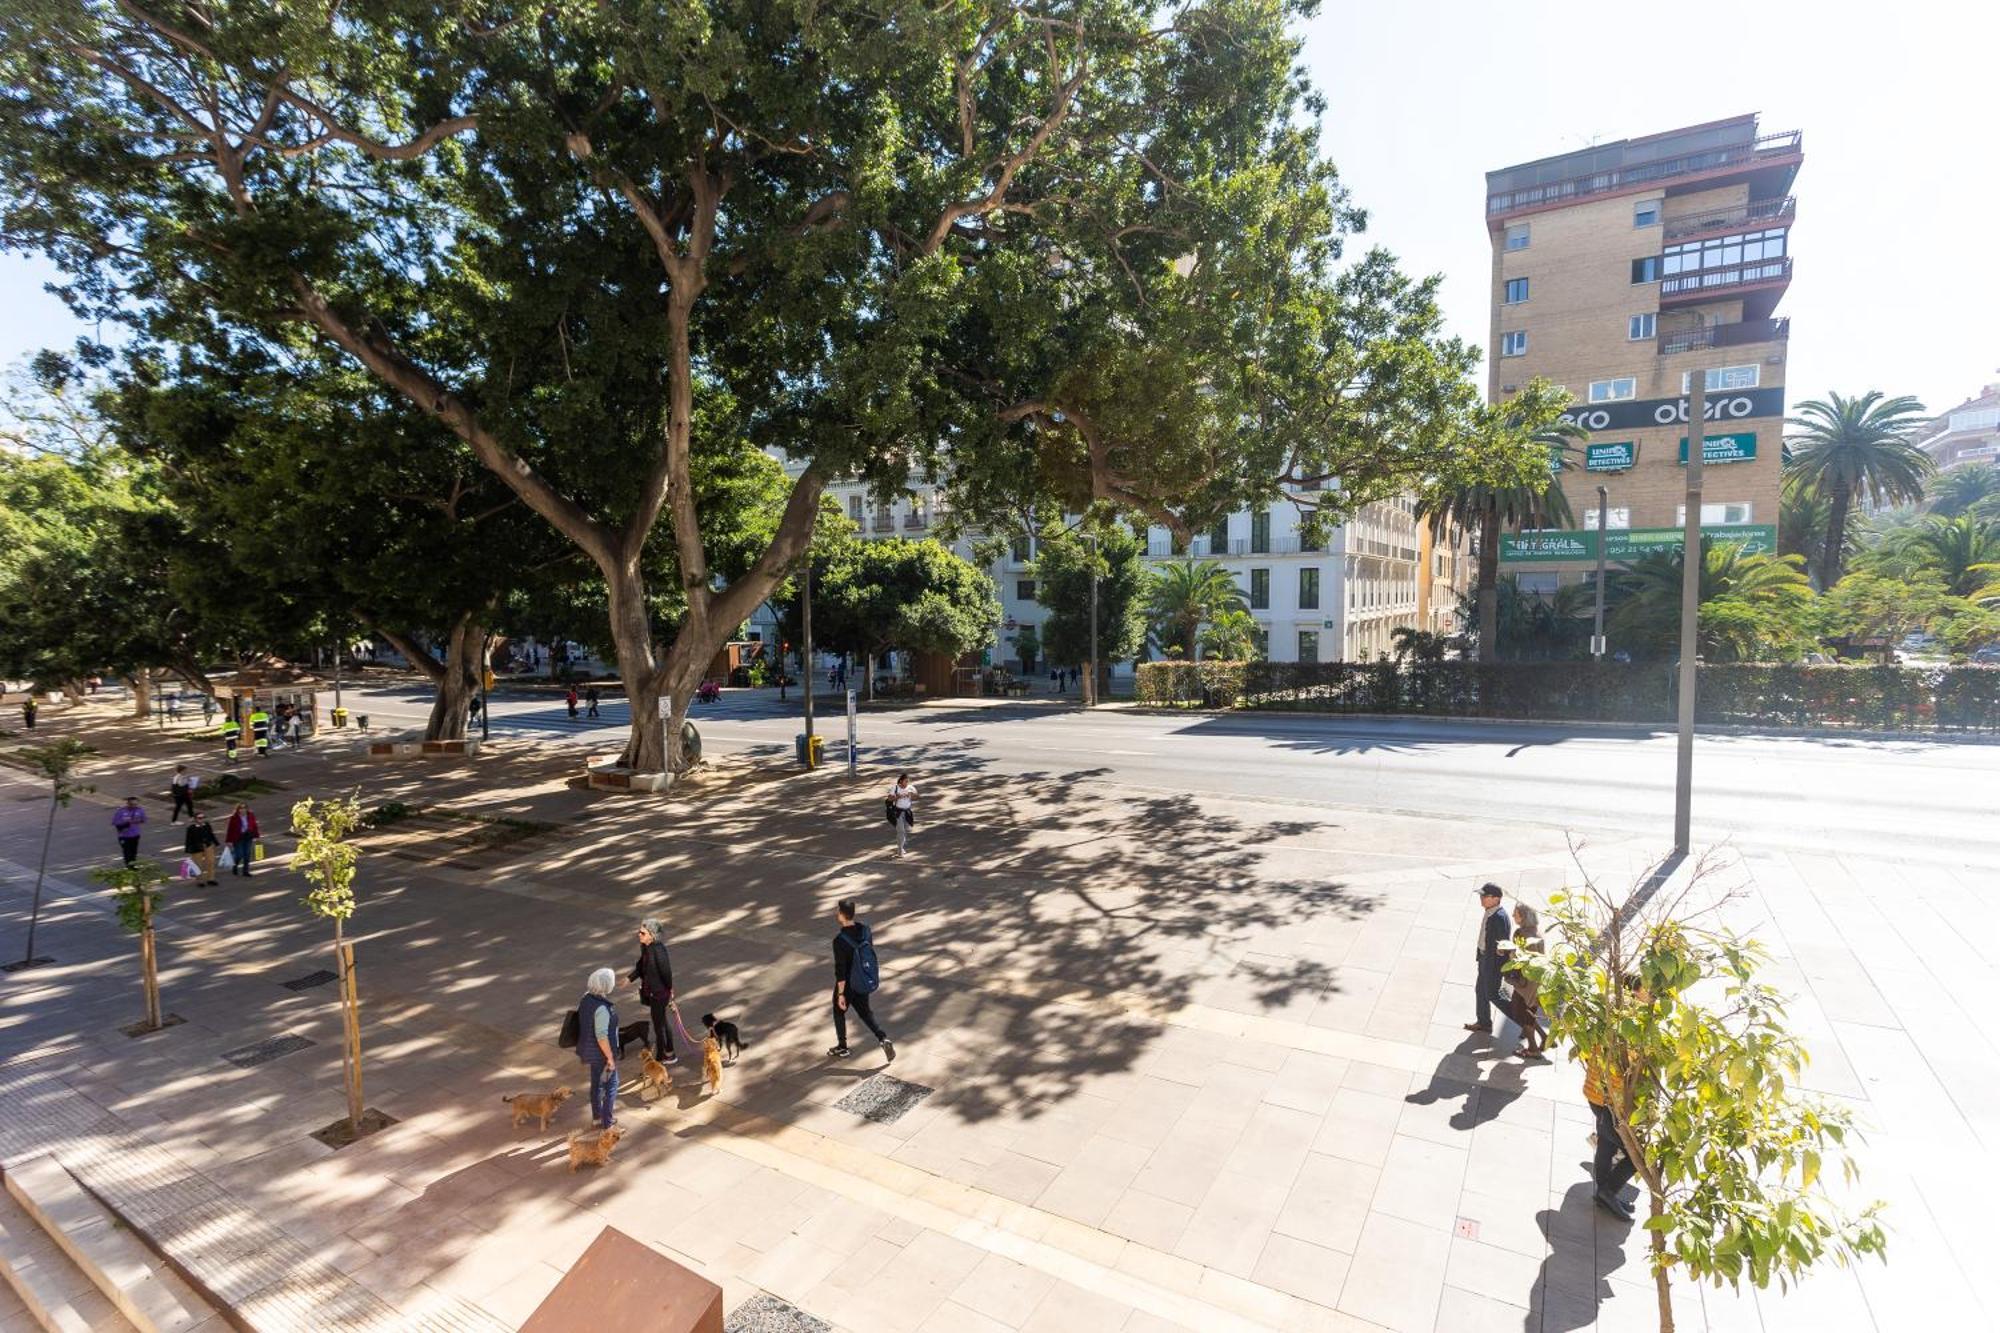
<point>809,749</point>
<point>340,717</point>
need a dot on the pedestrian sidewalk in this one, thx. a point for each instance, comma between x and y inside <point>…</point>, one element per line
<point>1165,1062</point>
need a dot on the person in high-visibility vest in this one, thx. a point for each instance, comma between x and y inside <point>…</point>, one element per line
<point>260,732</point>
<point>232,733</point>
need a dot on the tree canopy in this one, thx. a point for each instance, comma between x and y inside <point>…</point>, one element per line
<point>872,596</point>
<point>1053,257</point>
<point>1844,449</point>
<point>1062,570</point>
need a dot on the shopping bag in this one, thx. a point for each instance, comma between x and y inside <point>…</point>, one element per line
<point>227,861</point>
<point>257,851</point>
<point>188,868</point>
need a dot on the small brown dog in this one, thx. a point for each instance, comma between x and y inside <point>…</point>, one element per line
<point>540,1105</point>
<point>654,1074</point>
<point>711,1064</point>
<point>593,1149</point>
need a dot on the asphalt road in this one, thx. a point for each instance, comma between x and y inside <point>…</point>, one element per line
<point>1897,800</point>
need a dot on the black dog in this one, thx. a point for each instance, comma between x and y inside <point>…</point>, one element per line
<point>725,1035</point>
<point>630,1033</point>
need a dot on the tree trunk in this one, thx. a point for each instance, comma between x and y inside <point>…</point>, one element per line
<point>868,678</point>
<point>142,694</point>
<point>1489,585</point>
<point>149,961</point>
<point>638,667</point>
<point>1661,1290</point>
<point>458,684</point>
<point>1834,554</point>
<point>350,1023</point>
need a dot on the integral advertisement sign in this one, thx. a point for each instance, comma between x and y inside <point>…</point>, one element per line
<point>1619,456</point>
<point>1739,447</point>
<point>1547,548</point>
<point>1724,405</point>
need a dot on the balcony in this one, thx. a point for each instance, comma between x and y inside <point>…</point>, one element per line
<point>1739,334</point>
<point>884,523</point>
<point>914,523</point>
<point>1772,149</point>
<point>1707,283</point>
<point>1745,217</point>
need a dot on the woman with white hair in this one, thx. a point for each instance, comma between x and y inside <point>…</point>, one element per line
<point>655,975</point>
<point>597,1029</point>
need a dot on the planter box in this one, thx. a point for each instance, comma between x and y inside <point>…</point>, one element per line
<point>407,749</point>
<point>616,777</point>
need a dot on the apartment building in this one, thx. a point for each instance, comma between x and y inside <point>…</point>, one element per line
<point>1968,433</point>
<point>1619,271</point>
<point>1341,599</point>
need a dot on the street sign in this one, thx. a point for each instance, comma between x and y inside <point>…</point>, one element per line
<point>666,708</point>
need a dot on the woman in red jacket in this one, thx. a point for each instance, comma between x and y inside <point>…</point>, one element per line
<point>241,835</point>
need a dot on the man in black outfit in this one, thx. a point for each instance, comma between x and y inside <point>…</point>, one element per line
<point>1493,932</point>
<point>854,976</point>
<point>655,974</point>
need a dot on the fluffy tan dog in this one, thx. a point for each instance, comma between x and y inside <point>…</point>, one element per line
<point>711,1064</point>
<point>593,1149</point>
<point>540,1105</point>
<point>653,1074</point>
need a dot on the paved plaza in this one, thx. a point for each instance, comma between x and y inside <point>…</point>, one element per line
<point>1164,1060</point>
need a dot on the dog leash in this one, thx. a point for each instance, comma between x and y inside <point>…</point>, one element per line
<point>676,1011</point>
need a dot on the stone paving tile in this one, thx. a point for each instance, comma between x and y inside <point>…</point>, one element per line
<point>1421,1182</point>
<point>1310,1272</point>
<point>1397,1277</point>
<point>1328,1202</point>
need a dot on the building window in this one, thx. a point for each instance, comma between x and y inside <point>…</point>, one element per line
<point>1730,513</point>
<point>1309,590</point>
<point>854,508</point>
<point>1515,343</point>
<point>1614,391</point>
<point>1638,328</point>
<point>1534,584</point>
<point>1615,516</point>
<point>1024,590</point>
<point>1262,638</point>
<point>1308,645</point>
<point>1646,213</point>
<point>1310,543</point>
<point>1517,236</point>
<point>1724,377</point>
<point>1750,247</point>
<point>1260,532</point>
<point>1260,590</point>
<point>1218,537</point>
<point>1517,290</point>
<point>1647,269</point>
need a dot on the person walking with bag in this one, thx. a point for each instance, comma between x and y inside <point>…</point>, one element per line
<point>1487,957</point>
<point>128,820</point>
<point>856,976</point>
<point>200,847</point>
<point>241,835</point>
<point>901,806</point>
<point>1523,1002</point>
<point>597,1030</point>
<point>655,974</point>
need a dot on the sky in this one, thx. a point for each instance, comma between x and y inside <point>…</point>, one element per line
<point>1896,283</point>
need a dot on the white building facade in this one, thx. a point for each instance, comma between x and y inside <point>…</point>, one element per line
<point>1342,600</point>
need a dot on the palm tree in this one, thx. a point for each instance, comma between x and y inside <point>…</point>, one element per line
<point>1748,602</point>
<point>1802,517</point>
<point>1849,448</point>
<point>1965,489</point>
<point>1957,552</point>
<point>1485,510</point>
<point>1182,595</point>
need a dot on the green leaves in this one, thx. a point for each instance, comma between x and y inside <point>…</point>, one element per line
<point>137,888</point>
<point>325,856</point>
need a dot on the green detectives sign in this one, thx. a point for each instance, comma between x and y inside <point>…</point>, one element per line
<point>1530,548</point>
<point>1616,457</point>
<point>1737,447</point>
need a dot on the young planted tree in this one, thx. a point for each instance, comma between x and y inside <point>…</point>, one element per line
<point>1086,254</point>
<point>55,761</point>
<point>328,860</point>
<point>1230,636</point>
<point>137,888</point>
<point>1703,1078</point>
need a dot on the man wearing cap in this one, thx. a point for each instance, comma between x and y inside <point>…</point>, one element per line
<point>1493,932</point>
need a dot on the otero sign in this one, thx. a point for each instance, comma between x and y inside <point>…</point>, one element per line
<point>1547,548</point>
<point>1739,447</point>
<point>1723,405</point>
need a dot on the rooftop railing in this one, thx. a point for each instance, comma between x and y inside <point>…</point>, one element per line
<point>1643,173</point>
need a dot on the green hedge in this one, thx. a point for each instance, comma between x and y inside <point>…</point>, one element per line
<point>1888,698</point>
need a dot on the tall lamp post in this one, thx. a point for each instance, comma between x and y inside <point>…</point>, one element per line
<point>1091,701</point>
<point>1691,563</point>
<point>806,649</point>
<point>1603,539</point>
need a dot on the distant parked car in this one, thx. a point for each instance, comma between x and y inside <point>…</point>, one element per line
<point>1988,656</point>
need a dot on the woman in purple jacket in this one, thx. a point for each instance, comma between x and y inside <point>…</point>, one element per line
<point>128,819</point>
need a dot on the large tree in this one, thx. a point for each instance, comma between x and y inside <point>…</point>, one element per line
<point>872,596</point>
<point>1087,252</point>
<point>1844,449</point>
<point>1064,562</point>
<point>1970,488</point>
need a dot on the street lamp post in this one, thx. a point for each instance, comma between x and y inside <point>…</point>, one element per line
<point>1691,564</point>
<point>806,650</point>
<point>1091,700</point>
<point>1603,539</point>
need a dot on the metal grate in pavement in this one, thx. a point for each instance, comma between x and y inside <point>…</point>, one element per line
<point>310,979</point>
<point>257,1053</point>
<point>883,1098</point>
<point>765,1313</point>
